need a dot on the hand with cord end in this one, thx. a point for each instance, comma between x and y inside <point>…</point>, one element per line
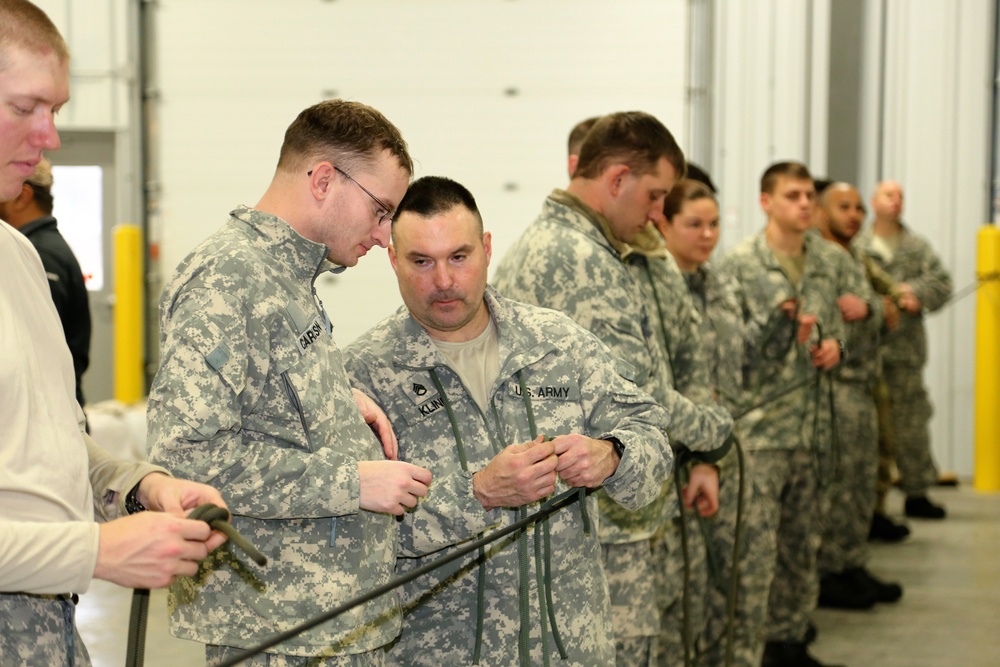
<point>391,486</point>
<point>151,549</point>
<point>521,473</point>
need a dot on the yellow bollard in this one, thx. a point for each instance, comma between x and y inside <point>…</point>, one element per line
<point>986,476</point>
<point>130,382</point>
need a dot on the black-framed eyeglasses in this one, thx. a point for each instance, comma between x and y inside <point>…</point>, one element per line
<point>382,219</point>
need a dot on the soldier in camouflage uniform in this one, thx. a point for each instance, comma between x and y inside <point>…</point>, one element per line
<point>925,285</point>
<point>690,229</point>
<point>252,395</point>
<point>470,383</point>
<point>570,259</point>
<point>677,329</point>
<point>791,281</point>
<point>55,480</point>
<point>844,578</point>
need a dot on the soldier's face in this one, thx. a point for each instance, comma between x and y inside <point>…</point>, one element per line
<point>638,200</point>
<point>888,200</point>
<point>441,263</point>
<point>691,235</point>
<point>790,204</point>
<point>33,87</point>
<point>350,226</point>
<point>844,213</point>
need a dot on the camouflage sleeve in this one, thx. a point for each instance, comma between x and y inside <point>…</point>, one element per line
<point>209,379</point>
<point>701,428</point>
<point>615,407</point>
<point>932,283</point>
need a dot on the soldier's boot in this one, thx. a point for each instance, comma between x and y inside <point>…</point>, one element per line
<point>789,654</point>
<point>840,590</point>
<point>885,529</point>
<point>921,507</point>
<point>882,591</point>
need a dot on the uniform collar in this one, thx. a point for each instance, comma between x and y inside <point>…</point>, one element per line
<point>307,259</point>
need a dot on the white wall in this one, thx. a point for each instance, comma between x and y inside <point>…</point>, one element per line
<point>484,93</point>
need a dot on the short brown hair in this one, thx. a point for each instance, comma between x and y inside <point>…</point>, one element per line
<point>632,138</point>
<point>793,170</point>
<point>685,190</point>
<point>349,132</point>
<point>577,134</point>
<point>25,26</point>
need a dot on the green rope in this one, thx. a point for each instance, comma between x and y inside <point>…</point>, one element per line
<point>542,585</point>
<point>548,588</point>
<point>481,573</point>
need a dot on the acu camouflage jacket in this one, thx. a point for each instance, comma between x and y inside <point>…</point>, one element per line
<point>914,263</point>
<point>252,398</point>
<point>800,418</point>
<point>554,379</point>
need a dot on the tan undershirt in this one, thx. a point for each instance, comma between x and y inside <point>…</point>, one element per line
<point>476,361</point>
<point>885,246</point>
<point>793,266</point>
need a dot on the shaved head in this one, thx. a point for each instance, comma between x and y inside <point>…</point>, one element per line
<point>888,200</point>
<point>842,212</point>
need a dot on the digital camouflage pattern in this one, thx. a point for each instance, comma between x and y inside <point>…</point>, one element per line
<point>797,419</point>
<point>252,398</point>
<point>717,297</point>
<point>789,438</point>
<point>573,386</point>
<point>38,631</point>
<point>915,264</point>
<point>676,327</point>
<point>568,260</point>
<point>215,655</point>
<point>904,354</point>
<point>851,491</point>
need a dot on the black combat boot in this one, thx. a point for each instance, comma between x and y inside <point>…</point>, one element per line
<point>840,590</point>
<point>789,654</point>
<point>885,529</point>
<point>882,591</point>
<point>921,507</point>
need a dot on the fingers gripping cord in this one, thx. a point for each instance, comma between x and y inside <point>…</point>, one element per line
<point>216,517</point>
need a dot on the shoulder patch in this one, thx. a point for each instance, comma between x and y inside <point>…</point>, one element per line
<point>625,369</point>
<point>218,357</point>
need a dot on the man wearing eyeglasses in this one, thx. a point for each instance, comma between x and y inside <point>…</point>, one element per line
<point>252,394</point>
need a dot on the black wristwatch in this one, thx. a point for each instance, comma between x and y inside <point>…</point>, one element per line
<point>843,349</point>
<point>132,504</point>
<point>619,447</point>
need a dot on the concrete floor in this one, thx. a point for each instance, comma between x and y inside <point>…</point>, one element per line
<point>949,615</point>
